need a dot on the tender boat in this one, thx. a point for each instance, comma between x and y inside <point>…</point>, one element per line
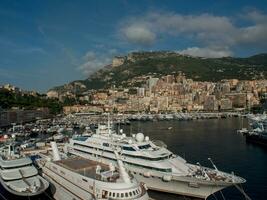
<point>18,175</point>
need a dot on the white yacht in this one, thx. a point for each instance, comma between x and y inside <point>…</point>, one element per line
<point>152,163</point>
<point>74,177</point>
<point>18,175</point>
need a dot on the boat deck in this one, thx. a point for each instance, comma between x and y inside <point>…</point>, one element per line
<point>88,168</point>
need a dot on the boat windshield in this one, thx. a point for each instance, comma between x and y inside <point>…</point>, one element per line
<point>128,148</point>
<point>147,146</point>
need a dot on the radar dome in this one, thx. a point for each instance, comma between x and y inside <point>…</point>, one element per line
<point>146,138</point>
<point>139,137</point>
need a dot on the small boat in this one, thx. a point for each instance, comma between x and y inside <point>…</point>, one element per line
<point>18,175</point>
<point>243,131</point>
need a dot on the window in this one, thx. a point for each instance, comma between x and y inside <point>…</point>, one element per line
<point>126,194</point>
<point>148,167</point>
<point>146,146</point>
<point>128,148</point>
<point>146,158</point>
<point>106,144</point>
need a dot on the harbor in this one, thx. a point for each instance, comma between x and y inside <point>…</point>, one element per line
<point>180,136</point>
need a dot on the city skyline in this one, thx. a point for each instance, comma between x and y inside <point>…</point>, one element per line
<point>44,44</point>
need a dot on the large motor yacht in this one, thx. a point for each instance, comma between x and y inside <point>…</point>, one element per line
<point>18,175</point>
<point>152,163</point>
<point>74,177</point>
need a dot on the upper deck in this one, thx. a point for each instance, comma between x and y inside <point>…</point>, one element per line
<point>89,168</point>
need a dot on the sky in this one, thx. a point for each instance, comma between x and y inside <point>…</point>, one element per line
<point>48,43</point>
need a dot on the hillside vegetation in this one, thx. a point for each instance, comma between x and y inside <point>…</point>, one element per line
<point>163,63</point>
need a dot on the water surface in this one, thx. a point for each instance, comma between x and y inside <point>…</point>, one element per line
<point>198,140</point>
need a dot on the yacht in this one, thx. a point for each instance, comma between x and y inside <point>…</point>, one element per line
<point>257,132</point>
<point>152,163</point>
<point>18,175</point>
<point>74,177</point>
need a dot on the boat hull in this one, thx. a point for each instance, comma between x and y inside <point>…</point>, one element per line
<point>177,185</point>
<point>64,189</point>
<point>180,187</point>
<point>45,185</point>
<point>257,139</point>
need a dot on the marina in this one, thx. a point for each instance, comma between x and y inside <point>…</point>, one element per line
<point>181,137</point>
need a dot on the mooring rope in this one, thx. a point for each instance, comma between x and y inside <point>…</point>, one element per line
<point>242,191</point>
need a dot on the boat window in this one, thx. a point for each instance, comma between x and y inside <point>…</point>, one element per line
<point>89,147</point>
<point>113,194</point>
<point>81,138</point>
<point>106,144</point>
<point>126,194</point>
<point>122,195</point>
<point>131,194</point>
<point>134,193</point>
<point>128,148</point>
<point>147,158</point>
<point>118,195</point>
<point>147,146</point>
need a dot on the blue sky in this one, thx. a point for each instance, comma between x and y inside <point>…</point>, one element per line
<point>49,43</point>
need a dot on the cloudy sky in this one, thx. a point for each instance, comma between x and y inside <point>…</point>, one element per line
<point>49,43</point>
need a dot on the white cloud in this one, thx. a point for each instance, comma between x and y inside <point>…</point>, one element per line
<point>93,61</point>
<point>139,34</point>
<point>205,30</point>
<point>205,52</point>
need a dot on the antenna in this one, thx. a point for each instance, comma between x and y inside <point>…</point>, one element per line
<point>108,125</point>
<point>213,164</point>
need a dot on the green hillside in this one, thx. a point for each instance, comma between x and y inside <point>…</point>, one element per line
<point>163,63</point>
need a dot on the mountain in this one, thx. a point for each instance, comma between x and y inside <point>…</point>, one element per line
<point>162,63</point>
